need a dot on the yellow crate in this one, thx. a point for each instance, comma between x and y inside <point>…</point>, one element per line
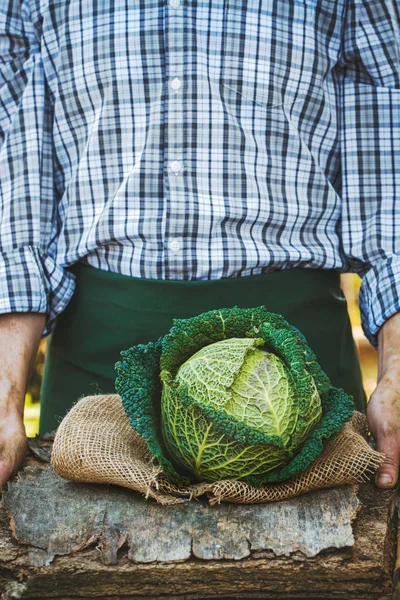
<point>31,416</point>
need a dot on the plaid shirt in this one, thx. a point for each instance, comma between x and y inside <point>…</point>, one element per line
<point>190,140</point>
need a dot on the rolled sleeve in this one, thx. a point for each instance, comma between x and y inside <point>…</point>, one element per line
<point>369,110</point>
<point>379,297</point>
<point>34,283</point>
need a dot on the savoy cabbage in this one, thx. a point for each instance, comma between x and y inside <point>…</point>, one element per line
<point>231,394</point>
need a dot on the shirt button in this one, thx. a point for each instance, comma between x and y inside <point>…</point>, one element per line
<point>176,84</point>
<point>175,3</point>
<point>176,166</point>
<point>175,245</point>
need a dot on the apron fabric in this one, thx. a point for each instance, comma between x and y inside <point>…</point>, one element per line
<point>111,312</point>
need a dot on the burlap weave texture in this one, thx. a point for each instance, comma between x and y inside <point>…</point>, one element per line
<point>95,443</point>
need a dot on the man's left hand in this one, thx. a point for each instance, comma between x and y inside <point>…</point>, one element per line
<point>383,409</point>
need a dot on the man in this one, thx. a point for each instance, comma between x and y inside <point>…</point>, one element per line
<point>159,159</point>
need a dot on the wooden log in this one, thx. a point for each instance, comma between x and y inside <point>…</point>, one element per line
<point>63,540</point>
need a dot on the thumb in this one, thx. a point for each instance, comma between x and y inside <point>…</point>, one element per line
<point>389,444</point>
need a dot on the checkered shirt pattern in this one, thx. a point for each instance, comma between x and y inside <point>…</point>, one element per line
<point>196,140</point>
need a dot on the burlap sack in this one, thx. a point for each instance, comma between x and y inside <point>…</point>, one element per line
<point>95,443</point>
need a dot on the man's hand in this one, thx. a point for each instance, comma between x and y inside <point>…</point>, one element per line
<point>20,334</point>
<point>384,405</point>
<point>13,446</point>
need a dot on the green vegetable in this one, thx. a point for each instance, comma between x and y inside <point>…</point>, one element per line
<point>231,394</point>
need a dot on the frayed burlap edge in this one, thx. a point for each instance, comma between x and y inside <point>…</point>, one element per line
<point>95,443</point>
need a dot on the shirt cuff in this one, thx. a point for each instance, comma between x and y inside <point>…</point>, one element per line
<point>379,297</point>
<point>31,282</point>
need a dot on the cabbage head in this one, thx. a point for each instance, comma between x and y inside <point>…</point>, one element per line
<point>231,394</point>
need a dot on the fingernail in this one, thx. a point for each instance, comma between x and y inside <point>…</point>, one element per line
<point>385,479</point>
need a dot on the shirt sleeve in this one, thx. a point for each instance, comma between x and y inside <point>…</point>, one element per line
<point>369,112</point>
<point>30,278</point>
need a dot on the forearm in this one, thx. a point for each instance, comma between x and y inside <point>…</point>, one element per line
<point>384,404</point>
<point>389,345</point>
<point>20,334</point>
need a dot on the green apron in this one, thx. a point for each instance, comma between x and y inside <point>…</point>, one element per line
<point>110,312</point>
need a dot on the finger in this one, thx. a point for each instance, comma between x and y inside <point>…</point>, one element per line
<point>6,469</point>
<point>9,463</point>
<point>389,445</point>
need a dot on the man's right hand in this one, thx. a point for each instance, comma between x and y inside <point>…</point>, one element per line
<point>20,334</point>
<point>13,445</point>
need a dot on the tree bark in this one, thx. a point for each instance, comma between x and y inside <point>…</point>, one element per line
<point>63,540</point>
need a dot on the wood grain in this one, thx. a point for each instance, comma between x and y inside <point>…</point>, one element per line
<point>63,540</point>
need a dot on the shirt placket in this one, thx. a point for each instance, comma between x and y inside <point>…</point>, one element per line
<point>174,128</point>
